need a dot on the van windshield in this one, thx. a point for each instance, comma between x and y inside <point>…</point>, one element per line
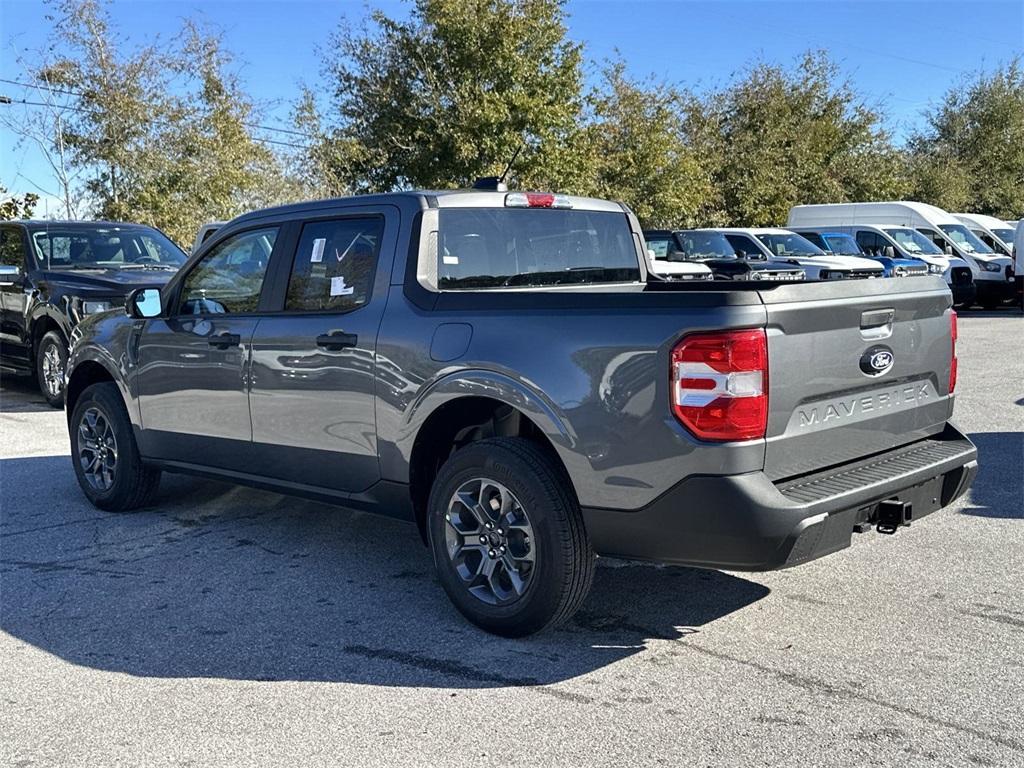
<point>912,241</point>
<point>964,239</point>
<point>511,247</point>
<point>789,245</point>
<point>698,246</point>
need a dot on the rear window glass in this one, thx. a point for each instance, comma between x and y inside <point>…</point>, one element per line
<point>511,247</point>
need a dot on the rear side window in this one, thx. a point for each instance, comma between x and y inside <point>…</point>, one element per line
<point>334,265</point>
<point>507,247</point>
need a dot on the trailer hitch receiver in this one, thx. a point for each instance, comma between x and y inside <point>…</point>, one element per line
<point>893,513</point>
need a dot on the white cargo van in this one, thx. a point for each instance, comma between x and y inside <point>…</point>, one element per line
<point>783,245</point>
<point>993,273</point>
<point>907,243</point>
<point>995,233</point>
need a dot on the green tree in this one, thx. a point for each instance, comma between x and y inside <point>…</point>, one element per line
<point>971,153</point>
<point>449,95</point>
<point>640,153</point>
<point>779,137</point>
<point>16,206</point>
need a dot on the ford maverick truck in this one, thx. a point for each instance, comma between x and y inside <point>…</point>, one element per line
<point>499,369</point>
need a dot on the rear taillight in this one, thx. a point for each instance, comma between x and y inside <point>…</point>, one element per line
<point>720,384</point>
<point>952,362</point>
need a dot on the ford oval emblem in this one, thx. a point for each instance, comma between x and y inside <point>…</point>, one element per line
<point>876,361</point>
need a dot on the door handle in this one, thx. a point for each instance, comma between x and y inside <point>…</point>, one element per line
<point>337,340</point>
<point>224,340</point>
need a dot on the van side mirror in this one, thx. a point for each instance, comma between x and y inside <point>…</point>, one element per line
<point>143,303</point>
<point>9,274</point>
<point>947,249</point>
<point>889,252</point>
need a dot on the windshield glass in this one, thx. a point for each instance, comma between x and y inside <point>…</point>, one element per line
<point>790,245</point>
<point>842,245</point>
<point>964,239</point>
<point>105,247</point>
<point>698,246</point>
<point>507,247</point>
<point>912,241</point>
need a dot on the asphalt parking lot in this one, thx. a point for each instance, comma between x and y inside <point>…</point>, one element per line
<point>234,626</point>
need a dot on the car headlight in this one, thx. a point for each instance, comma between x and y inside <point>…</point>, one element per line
<point>899,272</point>
<point>82,308</point>
<point>832,274</point>
<point>935,269</point>
<point>990,266</point>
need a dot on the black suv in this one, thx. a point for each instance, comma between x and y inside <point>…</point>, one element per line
<point>54,273</point>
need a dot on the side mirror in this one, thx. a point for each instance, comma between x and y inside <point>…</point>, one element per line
<point>947,249</point>
<point>741,254</point>
<point>889,252</point>
<point>651,254</point>
<point>9,274</point>
<point>143,303</point>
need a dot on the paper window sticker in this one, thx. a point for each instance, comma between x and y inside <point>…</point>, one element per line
<point>450,259</point>
<point>338,287</point>
<point>318,250</point>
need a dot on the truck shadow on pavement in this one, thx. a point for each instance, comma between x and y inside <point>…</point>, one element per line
<point>998,490</point>
<point>20,394</point>
<point>227,582</point>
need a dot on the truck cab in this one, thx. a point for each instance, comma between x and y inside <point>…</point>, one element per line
<point>995,233</point>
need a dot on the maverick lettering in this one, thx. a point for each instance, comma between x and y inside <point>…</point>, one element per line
<point>846,408</point>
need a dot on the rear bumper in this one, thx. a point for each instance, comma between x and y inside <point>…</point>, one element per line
<point>747,522</point>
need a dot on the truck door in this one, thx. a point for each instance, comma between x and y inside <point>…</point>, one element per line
<point>312,383</point>
<point>13,298</point>
<point>193,364</point>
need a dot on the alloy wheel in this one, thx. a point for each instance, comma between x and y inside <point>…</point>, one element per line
<point>97,449</point>
<point>53,371</point>
<point>489,539</point>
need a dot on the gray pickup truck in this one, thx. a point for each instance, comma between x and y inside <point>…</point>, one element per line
<point>499,369</point>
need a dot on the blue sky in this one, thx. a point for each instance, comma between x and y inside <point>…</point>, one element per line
<point>902,55</point>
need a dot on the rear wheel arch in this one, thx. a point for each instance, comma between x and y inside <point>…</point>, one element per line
<point>460,422</point>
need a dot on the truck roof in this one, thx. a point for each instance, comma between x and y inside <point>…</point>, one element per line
<point>434,198</point>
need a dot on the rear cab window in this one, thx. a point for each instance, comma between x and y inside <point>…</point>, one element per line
<point>495,248</point>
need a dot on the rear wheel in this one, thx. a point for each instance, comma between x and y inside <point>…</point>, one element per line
<point>104,453</point>
<point>51,362</point>
<point>507,537</point>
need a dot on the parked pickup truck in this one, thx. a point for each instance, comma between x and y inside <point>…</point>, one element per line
<point>496,368</point>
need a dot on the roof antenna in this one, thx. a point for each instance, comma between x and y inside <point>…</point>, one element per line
<point>497,183</point>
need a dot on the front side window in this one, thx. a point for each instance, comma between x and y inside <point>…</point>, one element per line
<point>964,239</point>
<point>1006,235</point>
<point>12,250</point>
<point>744,246</point>
<point>913,242</point>
<point>511,247</point>
<point>842,245</point>
<point>869,242</point>
<point>230,277</point>
<point>659,246</point>
<point>334,265</point>
<point>789,245</point>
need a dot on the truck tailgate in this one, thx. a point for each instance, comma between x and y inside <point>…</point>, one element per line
<point>855,368</point>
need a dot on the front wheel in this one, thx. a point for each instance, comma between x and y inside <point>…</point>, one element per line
<point>507,537</point>
<point>51,362</point>
<point>104,453</point>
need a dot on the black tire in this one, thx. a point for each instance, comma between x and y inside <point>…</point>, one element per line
<point>51,363</point>
<point>133,483</point>
<point>563,566</point>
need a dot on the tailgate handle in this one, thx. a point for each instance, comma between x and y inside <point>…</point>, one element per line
<point>876,324</point>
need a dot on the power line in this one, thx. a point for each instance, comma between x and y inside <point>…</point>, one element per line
<point>26,102</point>
<point>80,94</point>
